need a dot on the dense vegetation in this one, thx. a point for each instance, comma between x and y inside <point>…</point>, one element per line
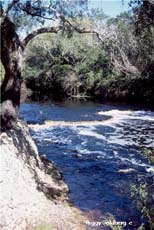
<point>117,67</point>
<point>116,63</point>
<point>28,17</point>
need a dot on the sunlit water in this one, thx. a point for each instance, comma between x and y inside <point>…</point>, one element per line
<point>98,149</point>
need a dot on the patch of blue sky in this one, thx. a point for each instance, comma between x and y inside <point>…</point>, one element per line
<point>111,8</point>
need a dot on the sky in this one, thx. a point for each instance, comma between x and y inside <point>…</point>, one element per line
<point>110,7</point>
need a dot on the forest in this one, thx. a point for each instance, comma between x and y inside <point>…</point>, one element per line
<point>118,67</point>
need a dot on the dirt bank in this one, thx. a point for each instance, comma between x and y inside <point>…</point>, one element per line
<point>33,194</point>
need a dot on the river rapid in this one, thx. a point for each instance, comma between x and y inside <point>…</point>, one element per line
<point>100,150</point>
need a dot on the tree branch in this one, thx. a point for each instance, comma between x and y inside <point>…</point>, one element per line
<point>77,29</point>
<point>40,31</point>
<point>56,30</point>
<point>66,23</point>
<point>35,14</point>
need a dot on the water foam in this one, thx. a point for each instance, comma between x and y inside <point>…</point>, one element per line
<point>90,133</point>
<point>115,117</point>
<point>136,162</point>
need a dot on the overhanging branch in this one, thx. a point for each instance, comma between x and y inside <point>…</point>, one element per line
<point>67,25</point>
<point>40,31</point>
<point>56,30</point>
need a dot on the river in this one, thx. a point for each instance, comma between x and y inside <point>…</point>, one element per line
<point>100,151</point>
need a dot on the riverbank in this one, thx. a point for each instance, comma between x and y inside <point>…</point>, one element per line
<point>33,194</point>
<point>136,91</point>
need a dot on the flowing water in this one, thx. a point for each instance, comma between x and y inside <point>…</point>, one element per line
<point>100,151</point>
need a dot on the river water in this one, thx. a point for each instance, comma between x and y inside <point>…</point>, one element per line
<point>100,151</point>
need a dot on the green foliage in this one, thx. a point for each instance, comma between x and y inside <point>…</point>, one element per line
<point>143,198</point>
<point>70,62</point>
<point>144,31</point>
<point>81,65</point>
<point>149,154</point>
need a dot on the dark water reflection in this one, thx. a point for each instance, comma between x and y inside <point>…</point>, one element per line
<point>93,158</point>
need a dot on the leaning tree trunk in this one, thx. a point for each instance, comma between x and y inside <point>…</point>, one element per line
<point>11,57</point>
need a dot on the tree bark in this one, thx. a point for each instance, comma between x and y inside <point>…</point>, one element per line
<point>11,57</point>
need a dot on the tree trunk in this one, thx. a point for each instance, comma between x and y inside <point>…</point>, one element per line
<point>11,57</point>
